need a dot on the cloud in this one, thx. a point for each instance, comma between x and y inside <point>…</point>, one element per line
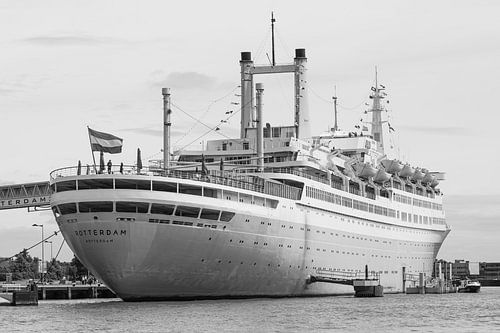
<point>69,40</point>
<point>6,91</point>
<point>444,130</point>
<point>184,80</point>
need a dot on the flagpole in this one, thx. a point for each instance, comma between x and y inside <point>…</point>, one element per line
<point>93,157</point>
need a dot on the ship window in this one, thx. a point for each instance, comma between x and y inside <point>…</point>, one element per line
<point>95,206</point>
<point>69,185</point>
<point>94,184</point>
<point>56,211</point>
<point>210,214</point>
<point>132,207</point>
<point>210,192</point>
<point>246,146</point>
<point>164,186</point>
<point>162,209</point>
<point>226,216</point>
<point>189,189</point>
<point>67,208</point>
<point>133,184</point>
<point>187,211</point>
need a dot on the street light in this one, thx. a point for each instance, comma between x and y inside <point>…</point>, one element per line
<point>43,254</point>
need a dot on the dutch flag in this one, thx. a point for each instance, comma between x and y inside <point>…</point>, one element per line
<point>107,143</point>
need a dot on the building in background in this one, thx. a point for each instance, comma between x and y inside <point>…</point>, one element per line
<point>488,273</point>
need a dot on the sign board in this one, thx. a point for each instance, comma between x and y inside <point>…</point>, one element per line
<point>25,202</point>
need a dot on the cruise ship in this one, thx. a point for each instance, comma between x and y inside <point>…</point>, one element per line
<point>258,215</point>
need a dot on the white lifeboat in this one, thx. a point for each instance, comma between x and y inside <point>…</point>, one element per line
<point>392,166</point>
<point>407,171</point>
<point>435,182</point>
<point>382,176</point>
<point>418,175</point>
<point>428,178</point>
<point>365,170</point>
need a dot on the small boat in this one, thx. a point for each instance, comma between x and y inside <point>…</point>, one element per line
<point>382,176</point>
<point>392,166</point>
<point>428,178</point>
<point>434,183</point>
<point>365,170</point>
<point>407,171</point>
<point>469,286</point>
<point>418,175</point>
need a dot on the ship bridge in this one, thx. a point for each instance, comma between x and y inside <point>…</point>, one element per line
<point>25,195</point>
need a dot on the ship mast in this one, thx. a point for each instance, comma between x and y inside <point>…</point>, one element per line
<point>377,132</point>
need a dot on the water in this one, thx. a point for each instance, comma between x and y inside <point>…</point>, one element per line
<point>404,313</point>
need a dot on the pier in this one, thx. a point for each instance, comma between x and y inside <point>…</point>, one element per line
<point>16,294</point>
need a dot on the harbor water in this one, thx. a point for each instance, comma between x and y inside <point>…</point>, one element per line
<point>405,313</point>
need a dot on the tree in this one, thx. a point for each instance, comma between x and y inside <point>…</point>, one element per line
<point>77,269</point>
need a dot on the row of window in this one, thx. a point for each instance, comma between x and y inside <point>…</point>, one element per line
<point>138,184</point>
<point>422,219</point>
<point>417,202</point>
<point>142,207</point>
<point>348,202</point>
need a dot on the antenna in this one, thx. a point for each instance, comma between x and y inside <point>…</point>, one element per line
<point>335,127</point>
<point>272,37</point>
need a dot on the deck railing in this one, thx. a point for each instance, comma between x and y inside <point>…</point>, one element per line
<point>246,182</point>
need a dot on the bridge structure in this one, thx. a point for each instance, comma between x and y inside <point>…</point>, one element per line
<point>27,195</point>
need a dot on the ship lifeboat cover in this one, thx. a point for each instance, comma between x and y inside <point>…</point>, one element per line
<point>407,171</point>
<point>392,166</point>
<point>382,176</point>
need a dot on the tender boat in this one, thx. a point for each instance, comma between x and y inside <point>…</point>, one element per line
<point>365,170</point>
<point>382,176</point>
<point>407,171</point>
<point>392,166</point>
<point>469,286</point>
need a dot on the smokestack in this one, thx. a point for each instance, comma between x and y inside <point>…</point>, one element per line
<point>301,91</point>
<point>166,127</point>
<point>247,117</point>
<point>260,132</point>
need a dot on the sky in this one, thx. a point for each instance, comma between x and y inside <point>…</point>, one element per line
<point>65,65</point>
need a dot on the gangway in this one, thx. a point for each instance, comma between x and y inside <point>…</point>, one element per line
<point>365,284</point>
<point>342,277</point>
<point>25,195</point>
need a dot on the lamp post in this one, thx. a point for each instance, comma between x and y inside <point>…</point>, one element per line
<point>43,253</point>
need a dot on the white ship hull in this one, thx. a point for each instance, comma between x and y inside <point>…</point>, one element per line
<point>262,251</point>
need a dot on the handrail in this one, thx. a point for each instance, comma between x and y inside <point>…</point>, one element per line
<point>246,182</point>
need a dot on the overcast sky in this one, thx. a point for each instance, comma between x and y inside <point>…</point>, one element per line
<point>68,64</point>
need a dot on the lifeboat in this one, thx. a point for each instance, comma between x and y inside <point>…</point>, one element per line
<point>428,178</point>
<point>392,166</point>
<point>382,176</point>
<point>434,182</point>
<point>418,175</point>
<point>407,171</point>
<point>365,170</point>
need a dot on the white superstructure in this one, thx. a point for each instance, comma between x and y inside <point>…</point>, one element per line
<point>217,223</point>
